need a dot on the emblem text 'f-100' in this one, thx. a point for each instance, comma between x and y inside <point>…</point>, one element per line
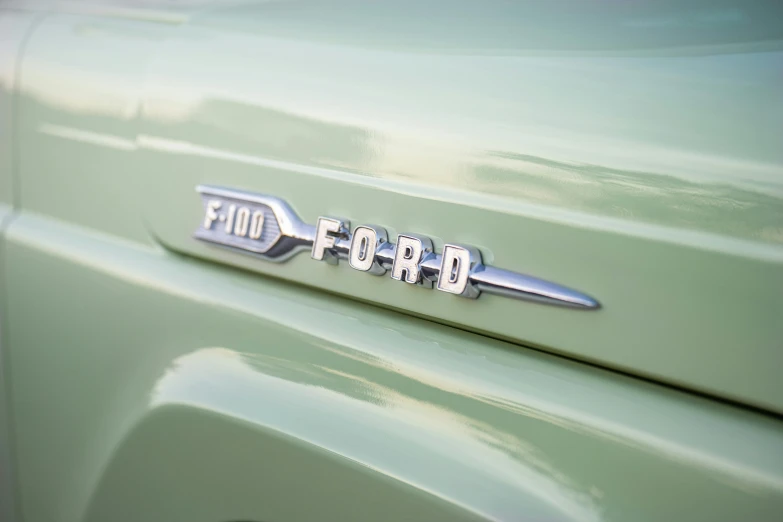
<point>268,228</point>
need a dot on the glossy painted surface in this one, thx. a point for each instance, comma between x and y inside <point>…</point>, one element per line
<point>14,26</point>
<point>631,153</point>
<point>641,167</point>
<point>207,394</point>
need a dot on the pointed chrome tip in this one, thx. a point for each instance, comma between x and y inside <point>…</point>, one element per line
<point>584,302</point>
<point>527,288</point>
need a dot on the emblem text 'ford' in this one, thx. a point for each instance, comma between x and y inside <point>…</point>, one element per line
<point>268,228</point>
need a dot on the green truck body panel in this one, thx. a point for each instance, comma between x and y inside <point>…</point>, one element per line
<point>632,153</point>
<point>202,393</point>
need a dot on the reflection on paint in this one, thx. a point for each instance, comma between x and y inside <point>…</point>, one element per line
<point>418,424</point>
<point>350,415</point>
<point>671,120</point>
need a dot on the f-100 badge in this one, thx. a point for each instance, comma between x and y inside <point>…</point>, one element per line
<point>268,228</point>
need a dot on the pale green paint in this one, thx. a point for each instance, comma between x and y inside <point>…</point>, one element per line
<point>645,172</point>
<point>179,391</point>
<point>93,74</point>
<point>7,464</point>
<point>14,25</point>
<point>633,157</point>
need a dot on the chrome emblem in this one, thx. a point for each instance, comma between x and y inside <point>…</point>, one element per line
<point>268,228</point>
